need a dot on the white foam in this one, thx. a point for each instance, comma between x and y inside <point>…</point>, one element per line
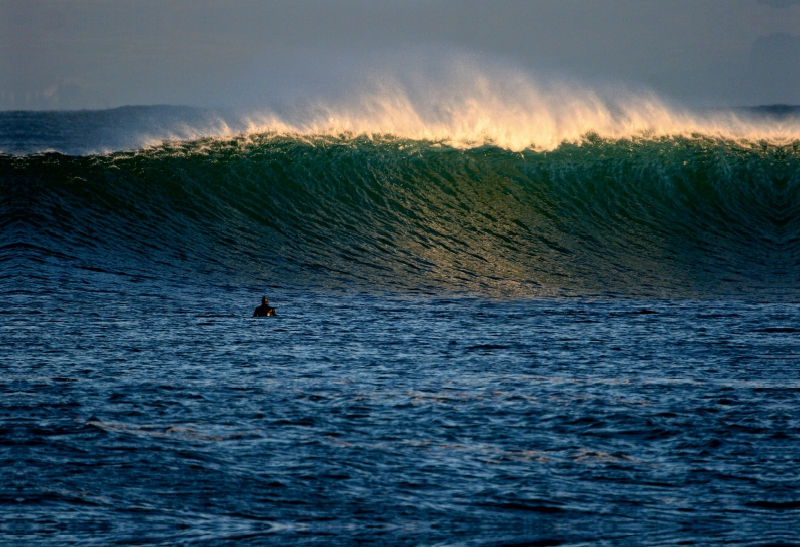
<point>471,105</point>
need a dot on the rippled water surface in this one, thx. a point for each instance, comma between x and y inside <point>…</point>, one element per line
<point>159,412</point>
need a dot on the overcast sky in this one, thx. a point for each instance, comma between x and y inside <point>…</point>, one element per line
<point>68,54</point>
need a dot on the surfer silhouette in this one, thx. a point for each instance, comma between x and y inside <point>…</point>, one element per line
<point>264,310</point>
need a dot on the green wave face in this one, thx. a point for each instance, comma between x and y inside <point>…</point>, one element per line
<point>672,216</point>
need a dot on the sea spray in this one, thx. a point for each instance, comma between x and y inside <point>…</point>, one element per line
<point>464,105</point>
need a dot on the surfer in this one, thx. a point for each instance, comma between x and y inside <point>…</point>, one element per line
<point>264,310</point>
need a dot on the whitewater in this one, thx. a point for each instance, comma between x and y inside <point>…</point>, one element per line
<point>465,106</point>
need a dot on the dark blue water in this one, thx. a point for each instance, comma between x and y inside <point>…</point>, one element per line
<point>147,413</point>
<point>608,378</point>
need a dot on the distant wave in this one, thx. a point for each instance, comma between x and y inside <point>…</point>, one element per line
<point>693,216</point>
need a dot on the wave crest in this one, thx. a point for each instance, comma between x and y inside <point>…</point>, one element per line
<point>512,110</point>
<point>463,105</point>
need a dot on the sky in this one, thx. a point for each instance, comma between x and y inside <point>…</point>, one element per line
<point>92,54</point>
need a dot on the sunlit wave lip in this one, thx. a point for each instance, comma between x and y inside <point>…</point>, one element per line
<point>754,136</point>
<point>473,105</point>
<point>461,100</point>
<point>473,124</point>
<point>511,112</point>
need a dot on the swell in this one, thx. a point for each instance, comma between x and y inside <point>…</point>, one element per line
<point>659,216</point>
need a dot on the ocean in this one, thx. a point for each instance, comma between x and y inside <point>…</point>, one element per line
<point>483,338</point>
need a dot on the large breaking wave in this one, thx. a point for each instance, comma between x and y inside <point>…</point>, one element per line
<point>651,215</point>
